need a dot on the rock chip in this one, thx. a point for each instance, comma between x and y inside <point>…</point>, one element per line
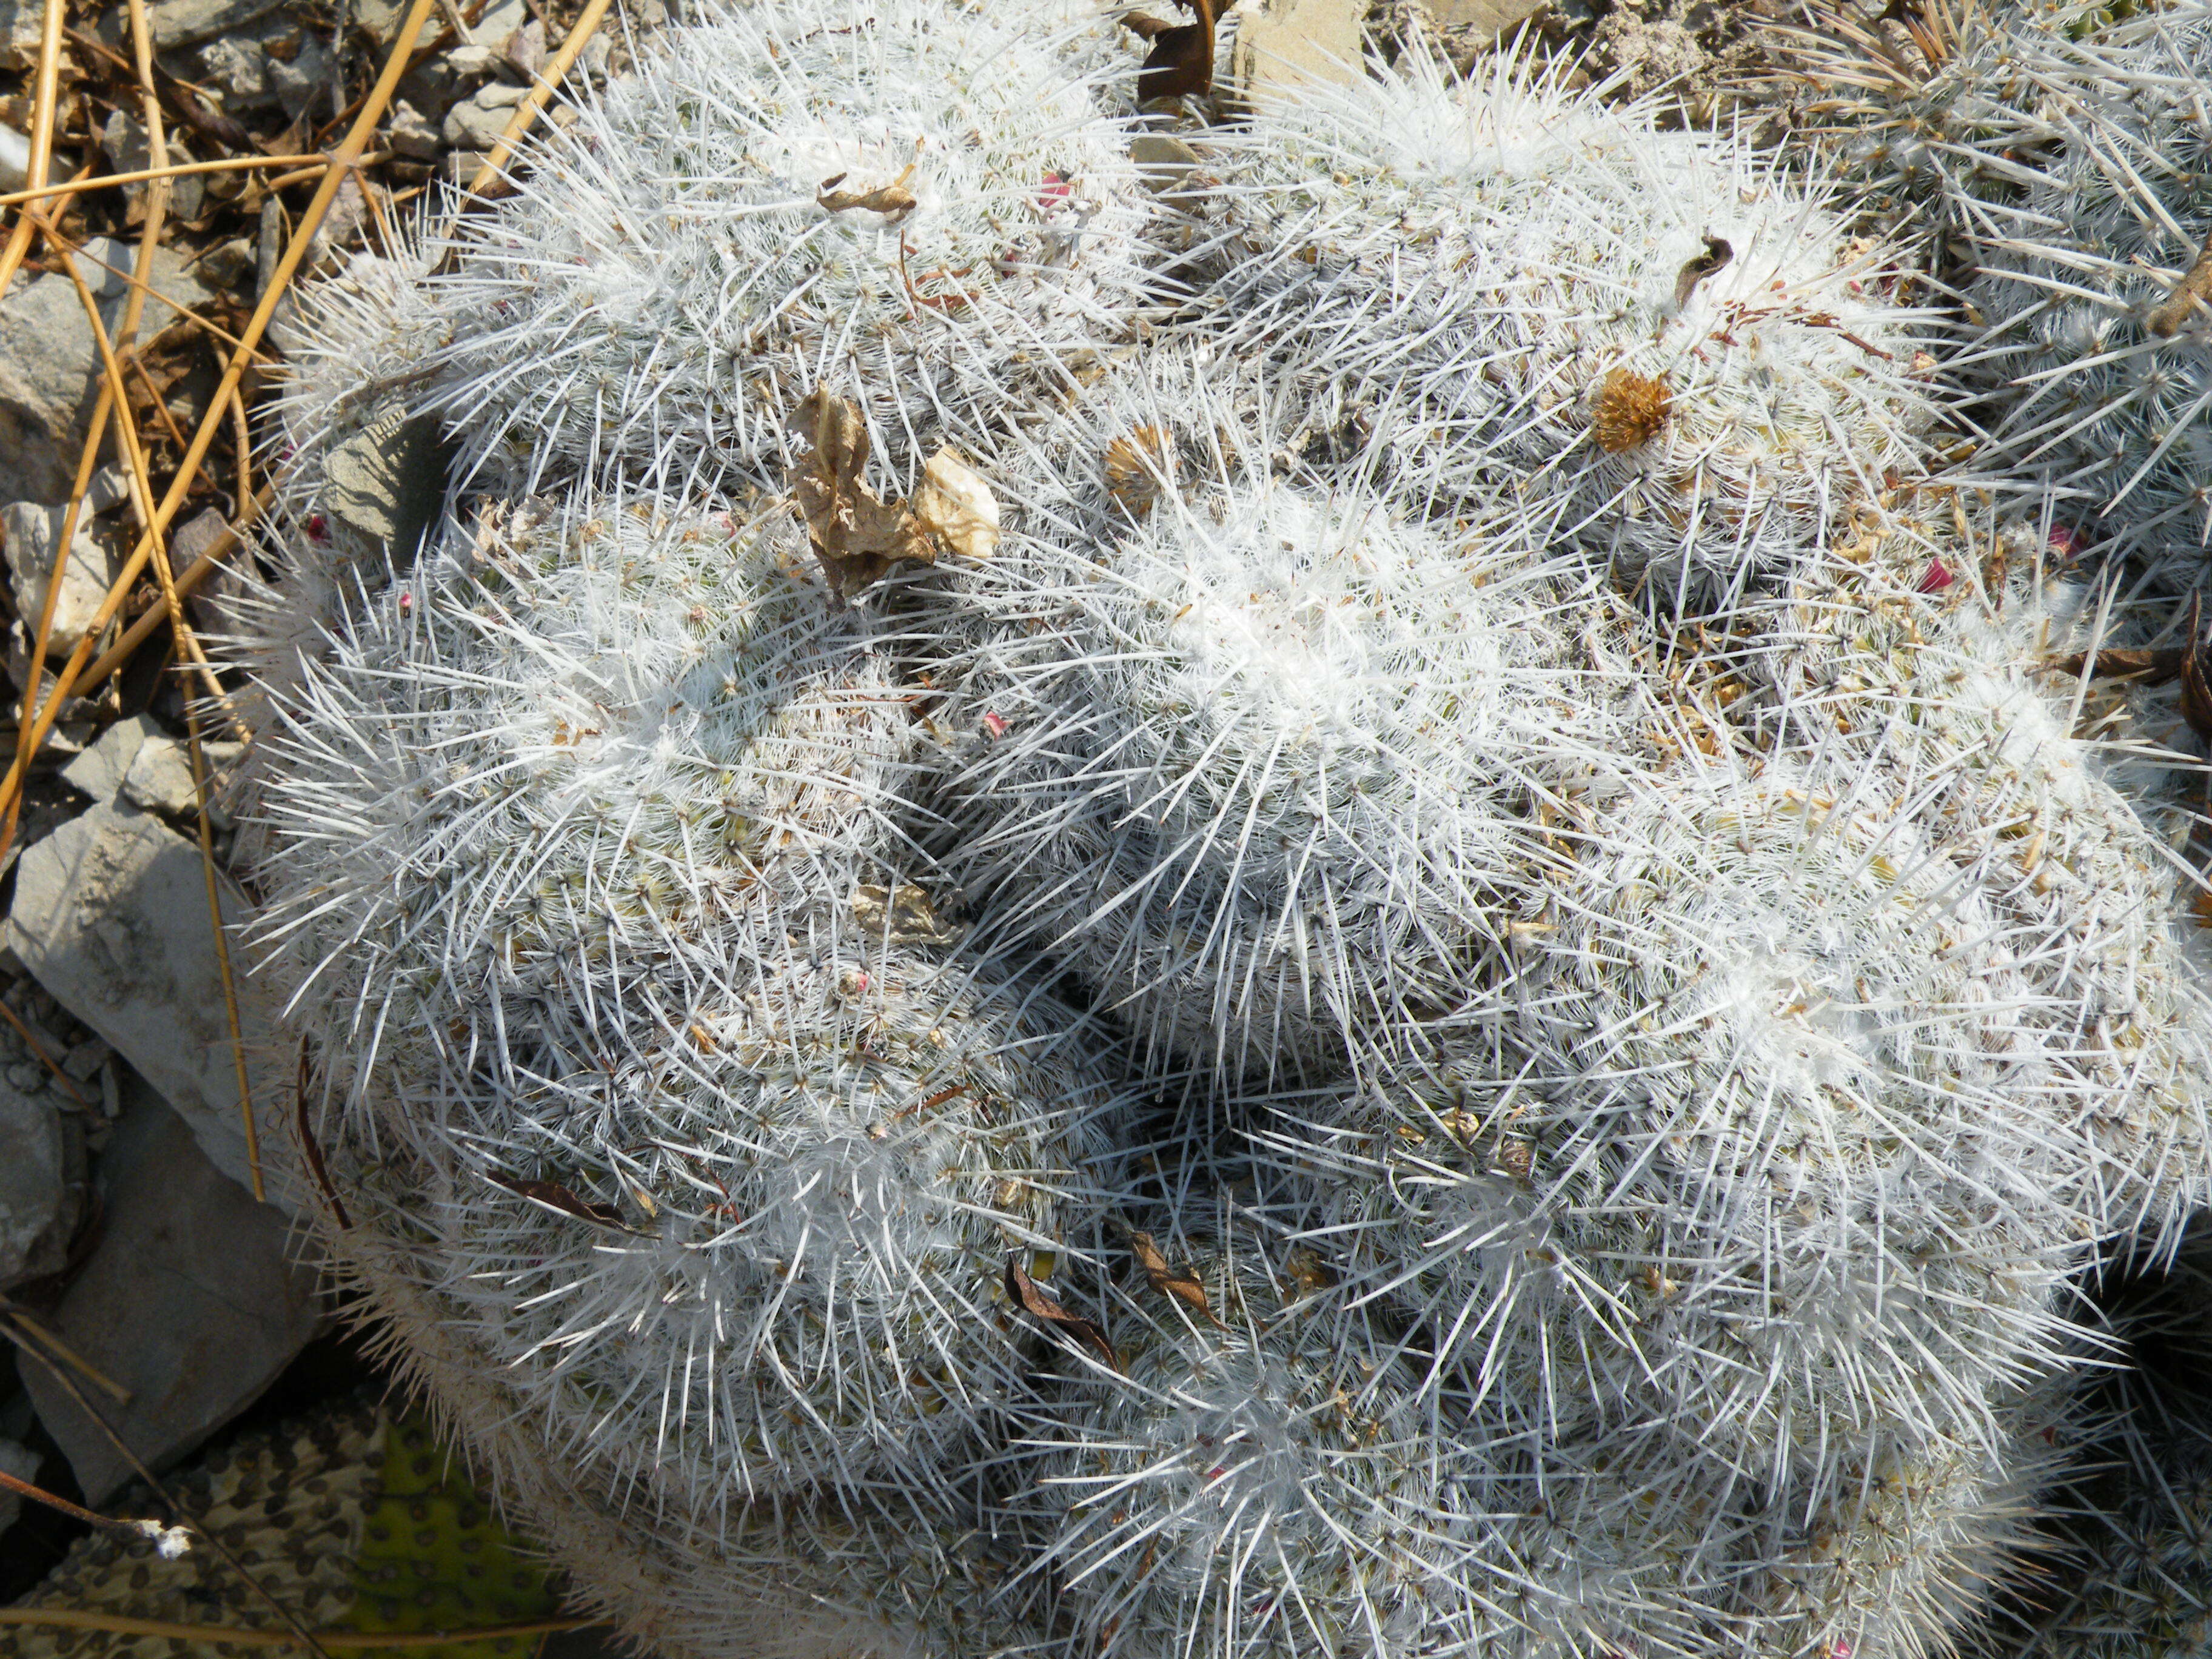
<point>22,1463</point>
<point>111,916</point>
<point>387,481</point>
<point>410,133</point>
<point>20,23</point>
<point>470,124</point>
<point>100,771</point>
<point>31,532</point>
<point>180,23</point>
<point>38,1203</point>
<point>50,370</point>
<point>161,776</point>
<point>190,1301</point>
<point>1283,46</point>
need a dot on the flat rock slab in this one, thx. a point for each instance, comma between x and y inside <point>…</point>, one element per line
<point>1285,47</point>
<point>190,1301</point>
<point>111,915</point>
<point>49,372</point>
<point>37,1203</point>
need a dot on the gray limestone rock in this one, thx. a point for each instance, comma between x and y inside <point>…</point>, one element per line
<point>38,1205</point>
<point>100,771</point>
<point>190,1301</point>
<point>31,532</point>
<point>50,369</point>
<point>22,1463</point>
<point>180,23</point>
<point>387,481</point>
<point>111,916</point>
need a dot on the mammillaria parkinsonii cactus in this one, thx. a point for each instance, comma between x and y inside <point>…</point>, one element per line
<point>1621,1016</point>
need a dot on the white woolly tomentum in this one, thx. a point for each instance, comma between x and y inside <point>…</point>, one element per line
<point>1257,757</point>
<point>757,1236</point>
<point>2106,376</point>
<point>1507,276</point>
<point>920,207</point>
<point>583,736</point>
<point>1254,1478</point>
<point>1861,1106</point>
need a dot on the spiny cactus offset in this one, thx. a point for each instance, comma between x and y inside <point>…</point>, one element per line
<point>1251,1475</point>
<point>1659,341</point>
<point>2095,291</point>
<point>920,207</point>
<point>1262,760</point>
<point>582,736</point>
<point>1863,1110</point>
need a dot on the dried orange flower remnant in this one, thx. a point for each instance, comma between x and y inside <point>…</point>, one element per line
<point>1631,408</point>
<point>1137,467</point>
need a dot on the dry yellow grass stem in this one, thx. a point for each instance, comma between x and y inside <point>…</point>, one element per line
<point>347,155</point>
<point>527,110</point>
<point>147,175</point>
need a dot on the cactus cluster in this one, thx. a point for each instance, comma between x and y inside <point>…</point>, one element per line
<point>1470,962</point>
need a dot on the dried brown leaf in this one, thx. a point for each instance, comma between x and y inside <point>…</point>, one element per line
<point>551,1196</point>
<point>1181,62</point>
<point>1183,1287</point>
<point>2192,295</point>
<point>955,506</point>
<point>856,534</point>
<point>2197,675</point>
<point>1694,271</point>
<point>1024,1289</point>
<point>893,200</point>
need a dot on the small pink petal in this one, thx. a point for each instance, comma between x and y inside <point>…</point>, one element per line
<point>1934,580</point>
<point>994,726</point>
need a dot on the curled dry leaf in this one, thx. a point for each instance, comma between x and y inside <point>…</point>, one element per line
<point>560,1201</point>
<point>857,535</point>
<point>1023,1289</point>
<point>1181,62</point>
<point>893,200</point>
<point>902,915</point>
<point>1183,1287</point>
<point>956,506</point>
<point>1694,271</point>
<point>2191,661</point>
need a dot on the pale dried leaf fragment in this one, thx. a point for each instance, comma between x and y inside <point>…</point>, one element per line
<point>1184,1286</point>
<point>857,535</point>
<point>2191,296</point>
<point>901,915</point>
<point>954,505</point>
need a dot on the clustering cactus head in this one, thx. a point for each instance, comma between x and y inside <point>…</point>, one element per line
<point>1660,342</point>
<point>918,206</point>
<point>1252,1476</point>
<point>759,1239</point>
<point>1260,757</point>
<point>1860,1105</point>
<point>585,734</point>
<point>2097,301</point>
<point>1925,660</point>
